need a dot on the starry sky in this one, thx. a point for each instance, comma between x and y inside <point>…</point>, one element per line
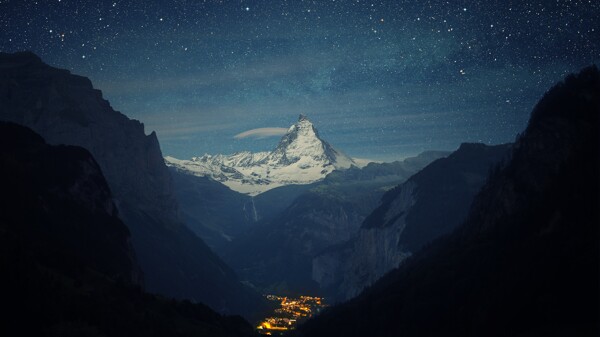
<point>379,79</point>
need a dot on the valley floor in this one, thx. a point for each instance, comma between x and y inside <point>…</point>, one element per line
<point>289,312</point>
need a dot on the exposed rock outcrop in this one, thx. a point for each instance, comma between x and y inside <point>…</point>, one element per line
<point>525,261</point>
<point>66,109</point>
<point>55,199</point>
<point>277,254</point>
<point>429,204</point>
<point>301,157</point>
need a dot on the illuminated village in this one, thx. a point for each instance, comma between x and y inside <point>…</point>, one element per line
<point>291,311</point>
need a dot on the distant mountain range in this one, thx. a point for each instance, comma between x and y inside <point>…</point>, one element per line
<point>271,237</point>
<point>301,157</point>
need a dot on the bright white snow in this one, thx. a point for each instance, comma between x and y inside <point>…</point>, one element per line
<point>301,157</point>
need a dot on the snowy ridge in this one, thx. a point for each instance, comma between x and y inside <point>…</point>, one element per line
<point>301,157</point>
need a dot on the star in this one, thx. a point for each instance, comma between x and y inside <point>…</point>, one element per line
<point>373,65</point>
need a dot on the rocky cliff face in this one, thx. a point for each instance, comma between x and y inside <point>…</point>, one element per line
<point>525,261</point>
<point>277,253</point>
<point>429,204</point>
<point>66,109</point>
<point>66,261</point>
<point>344,270</point>
<point>55,199</point>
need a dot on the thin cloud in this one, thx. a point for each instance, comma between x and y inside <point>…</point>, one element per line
<point>261,133</point>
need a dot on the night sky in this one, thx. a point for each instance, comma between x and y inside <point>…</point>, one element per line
<point>380,79</point>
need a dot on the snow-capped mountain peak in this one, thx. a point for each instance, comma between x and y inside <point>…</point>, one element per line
<point>302,143</point>
<point>301,157</point>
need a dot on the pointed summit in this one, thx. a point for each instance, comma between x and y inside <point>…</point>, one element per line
<point>301,157</point>
<point>302,146</point>
<point>304,125</point>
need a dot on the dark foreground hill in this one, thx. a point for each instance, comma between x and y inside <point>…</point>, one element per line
<point>65,109</point>
<point>525,262</point>
<point>66,263</point>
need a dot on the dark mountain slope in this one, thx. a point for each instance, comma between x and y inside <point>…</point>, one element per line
<point>219,214</point>
<point>210,209</point>
<point>277,253</point>
<point>525,262</point>
<point>429,204</point>
<point>56,199</point>
<point>66,109</point>
<point>448,183</point>
<point>66,264</point>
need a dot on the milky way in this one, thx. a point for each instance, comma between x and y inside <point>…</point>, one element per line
<point>380,79</point>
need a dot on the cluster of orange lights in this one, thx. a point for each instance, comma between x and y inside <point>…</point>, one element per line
<point>290,311</point>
